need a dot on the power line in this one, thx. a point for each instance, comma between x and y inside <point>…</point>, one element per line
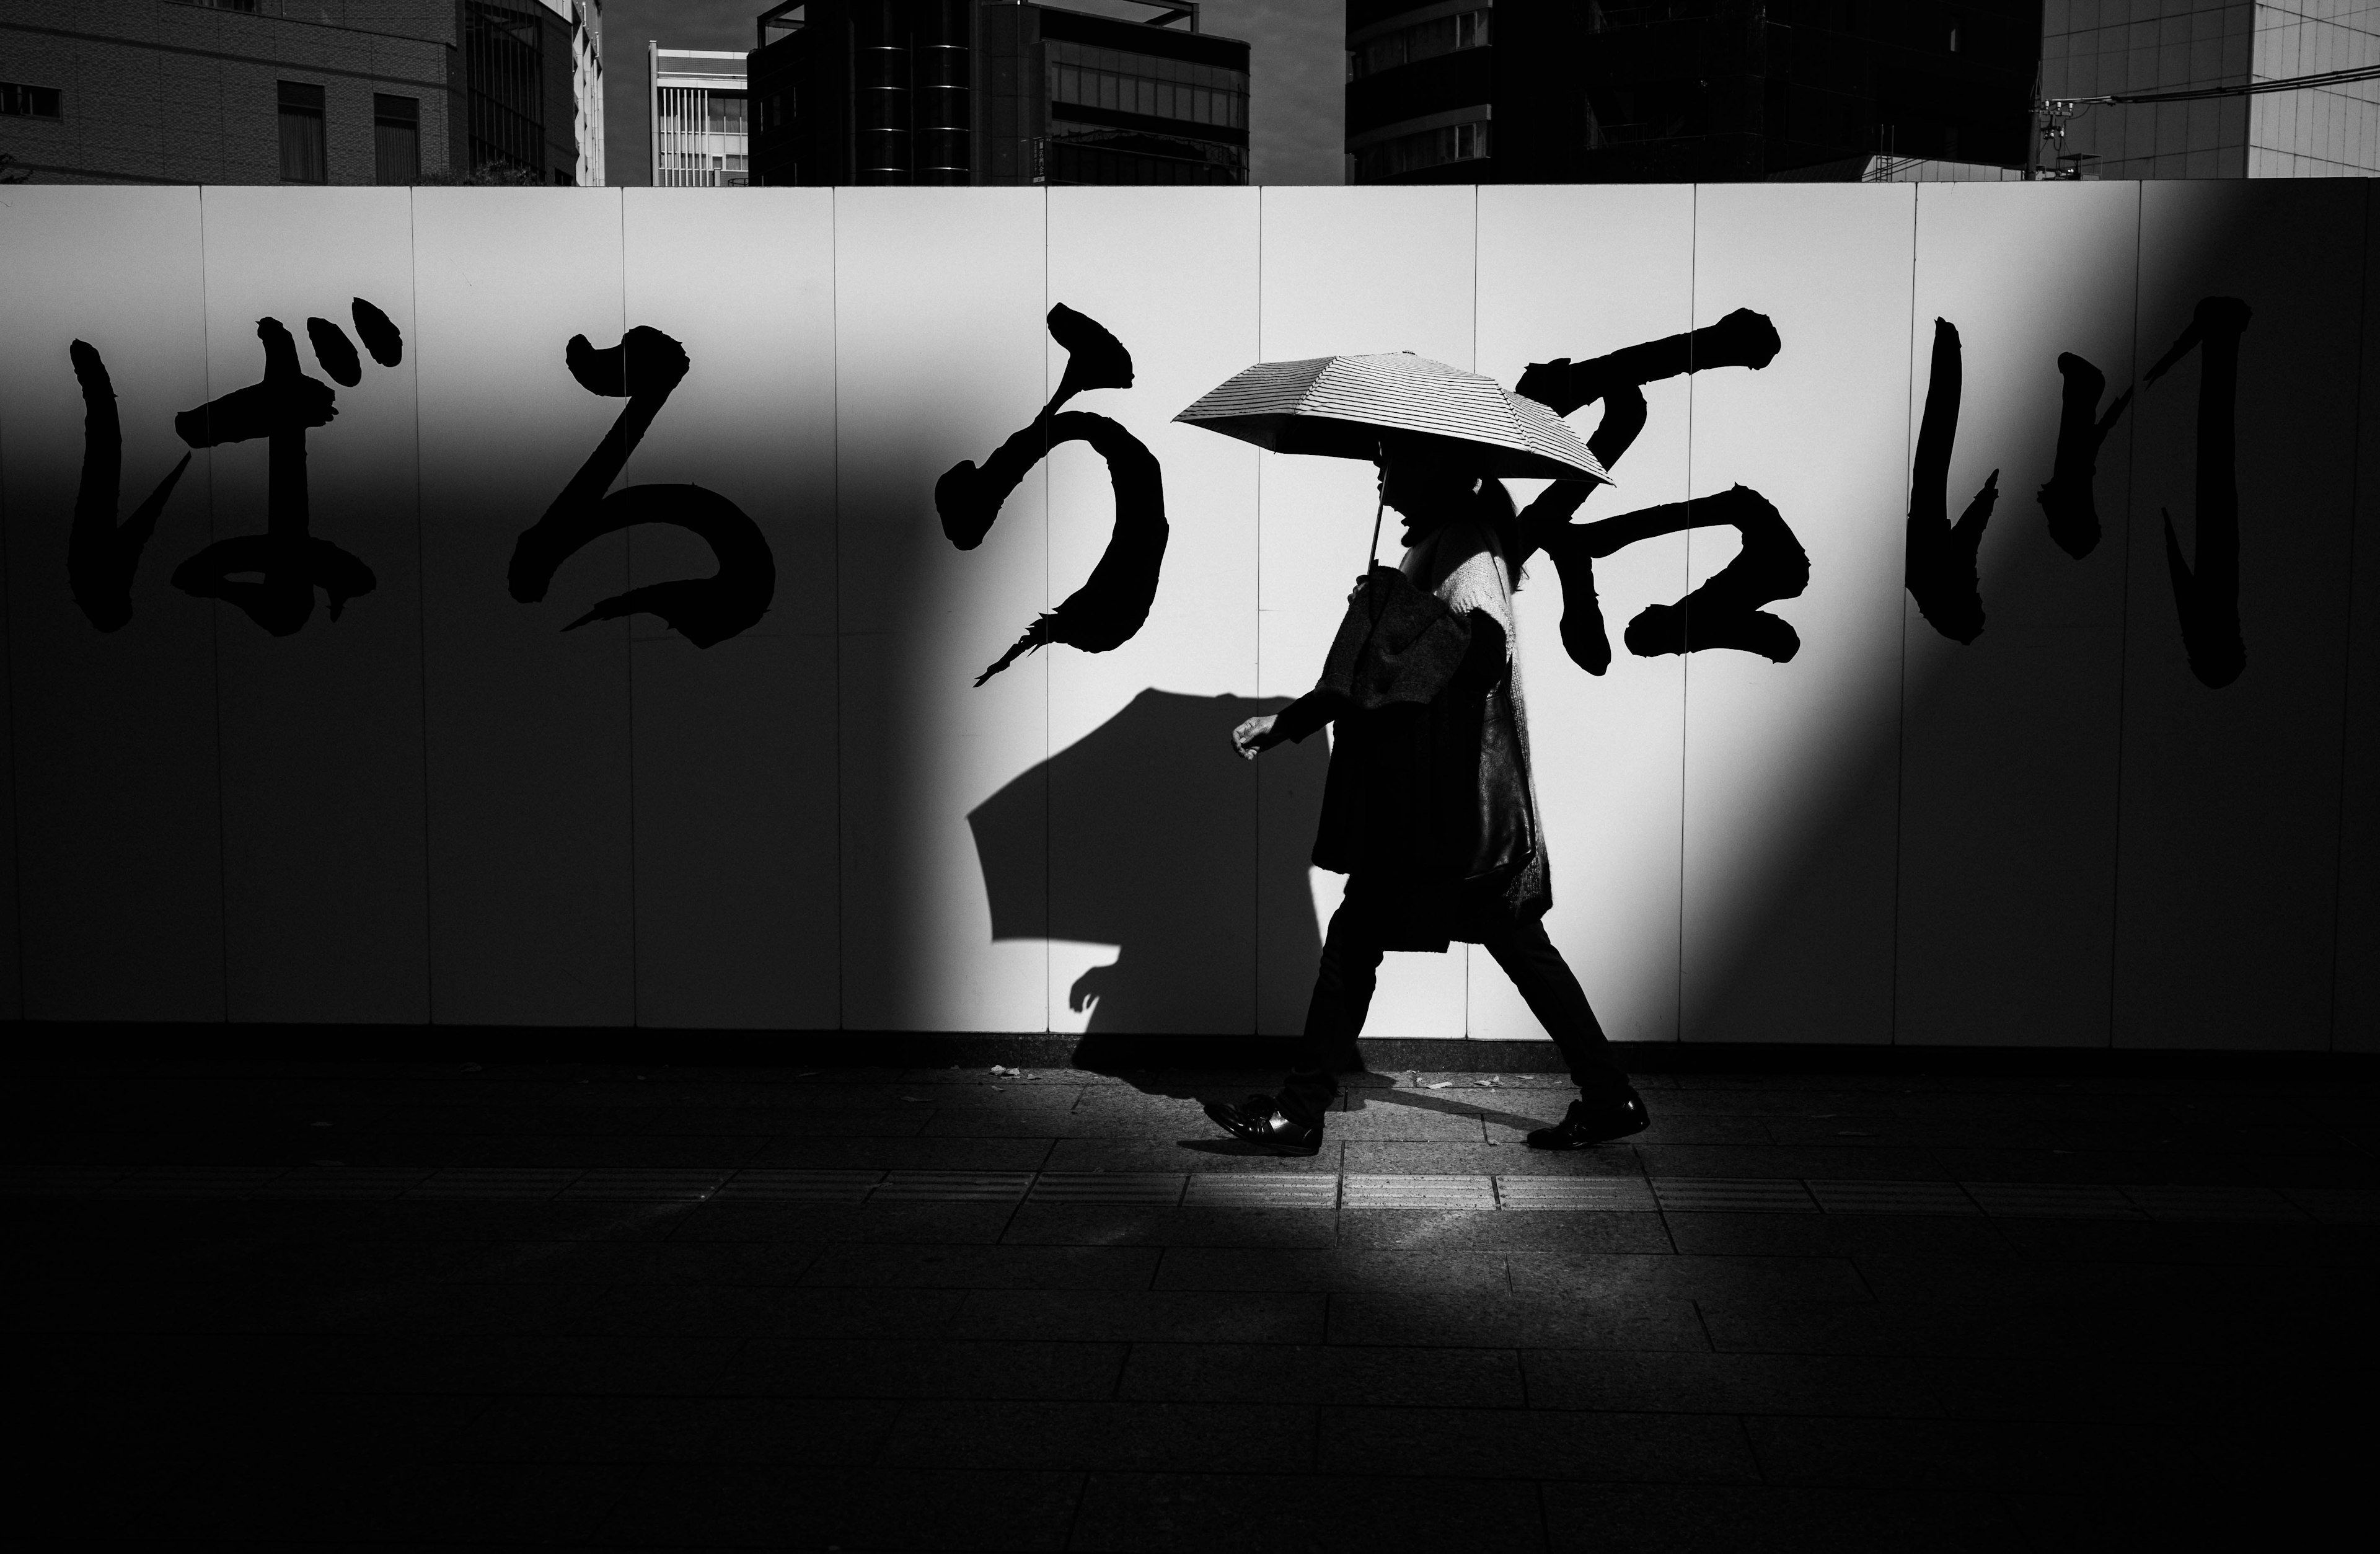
<point>2066,106</point>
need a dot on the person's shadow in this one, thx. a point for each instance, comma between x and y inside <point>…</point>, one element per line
<point>1150,835</point>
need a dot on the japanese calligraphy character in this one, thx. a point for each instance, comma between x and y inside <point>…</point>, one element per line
<point>2206,595</point>
<point>2067,500</point>
<point>645,367</point>
<point>286,560</point>
<point>1111,605</point>
<point>102,557</point>
<point>1724,612</point>
<point>1938,561</point>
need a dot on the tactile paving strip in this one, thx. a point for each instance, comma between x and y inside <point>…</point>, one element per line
<point>1724,1195</point>
<point>1892,1197</point>
<point>1623,1195</point>
<point>1109,1186</point>
<point>952,1186</point>
<point>1250,1189</point>
<point>647,1186</point>
<point>1209,1189</point>
<point>1417,1192</point>
<point>800,1186</point>
<point>2049,1200</point>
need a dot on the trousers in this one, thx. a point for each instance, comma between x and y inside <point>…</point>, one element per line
<point>1343,996</point>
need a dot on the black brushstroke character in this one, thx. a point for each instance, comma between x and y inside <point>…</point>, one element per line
<point>1725,611</point>
<point>2207,596</point>
<point>1938,564</point>
<point>1109,608</point>
<point>287,561</point>
<point>2067,500</point>
<point>101,557</point>
<point>645,367</point>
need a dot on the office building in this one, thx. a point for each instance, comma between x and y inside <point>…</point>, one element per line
<point>698,103</point>
<point>971,91</point>
<point>2097,49</point>
<point>1679,91</point>
<point>302,91</point>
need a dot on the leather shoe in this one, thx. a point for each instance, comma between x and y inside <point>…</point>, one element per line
<point>1594,1122</point>
<point>1260,1121</point>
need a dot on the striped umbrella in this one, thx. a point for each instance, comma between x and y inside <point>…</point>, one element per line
<point>1339,406</point>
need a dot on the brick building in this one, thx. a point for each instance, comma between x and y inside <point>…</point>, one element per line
<point>306,92</point>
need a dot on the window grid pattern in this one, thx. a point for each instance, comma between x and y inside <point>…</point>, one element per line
<point>1424,40</point>
<point>503,70</point>
<point>1428,148</point>
<point>1125,82</point>
<point>29,102</point>
<point>705,139</point>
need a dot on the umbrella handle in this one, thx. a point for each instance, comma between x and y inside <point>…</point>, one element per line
<point>1372,556</point>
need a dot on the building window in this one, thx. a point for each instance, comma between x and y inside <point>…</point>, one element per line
<point>1427,148</point>
<point>704,135</point>
<point>503,66</point>
<point>304,159</point>
<point>27,102</point>
<point>1424,40</point>
<point>1127,82</point>
<point>397,138</point>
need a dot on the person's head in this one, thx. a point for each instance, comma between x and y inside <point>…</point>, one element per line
<point>1429,480</point>
<point>1432,481</point>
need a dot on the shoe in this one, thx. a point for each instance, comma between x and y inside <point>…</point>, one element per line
<point>1261,1124</point>
<point>1594,1122</point>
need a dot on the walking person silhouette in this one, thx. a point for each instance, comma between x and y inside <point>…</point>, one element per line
<point>1430,808</point>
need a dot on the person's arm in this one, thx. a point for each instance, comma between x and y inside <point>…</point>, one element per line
<point>1291,724</point>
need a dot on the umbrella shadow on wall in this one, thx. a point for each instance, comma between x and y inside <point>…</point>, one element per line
<point>1146,834</point>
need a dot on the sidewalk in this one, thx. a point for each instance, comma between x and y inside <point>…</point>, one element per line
<point>443,1305</point>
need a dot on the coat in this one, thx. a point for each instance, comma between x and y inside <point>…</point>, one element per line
<point>1430,808</point>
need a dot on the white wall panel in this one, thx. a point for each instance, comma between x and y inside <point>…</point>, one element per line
<point>1789,768</point>
<point>1154,854</point>
<point>2009,743</point>
<point>2227,867</point>
<point>1352,272</point>
<point>326,881</point>
<point>118,817</point>
<point>1581,272</point>
<point>940,356</point>
<point>735,782</point>
<point>528,753</point>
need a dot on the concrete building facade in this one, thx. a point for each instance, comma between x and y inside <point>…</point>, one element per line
<point>265,91</point>
<point>2093,48</point>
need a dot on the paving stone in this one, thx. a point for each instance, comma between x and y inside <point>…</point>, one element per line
<point>1840,1235</point>
<point>1918,1453</point>
<point>767,1505</point>
<point>1342,1514</point>
<point>1404,1374</point>
<point>1499,1443</point>
<point>1685,1382</point>
<point>1505,1321</point>
<point>744,1311</point>
<point>862,1367</point>
<point>1682,1519</point>
<point>1145,1316</point>
<point>883,1266</point>
<point>906,1154</point>
<point>1221,1225</point>
<point>1111,1437</point>
<point>1212,1268</point>
<point>1472,1230</point>
<point>1739,1279</point>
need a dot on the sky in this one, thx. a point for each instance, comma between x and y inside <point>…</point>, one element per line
<point>1296,112</point>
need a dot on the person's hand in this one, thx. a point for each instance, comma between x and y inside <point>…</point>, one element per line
<point>1254,737</point>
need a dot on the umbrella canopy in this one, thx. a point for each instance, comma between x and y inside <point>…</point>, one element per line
<point>1339,406</point>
